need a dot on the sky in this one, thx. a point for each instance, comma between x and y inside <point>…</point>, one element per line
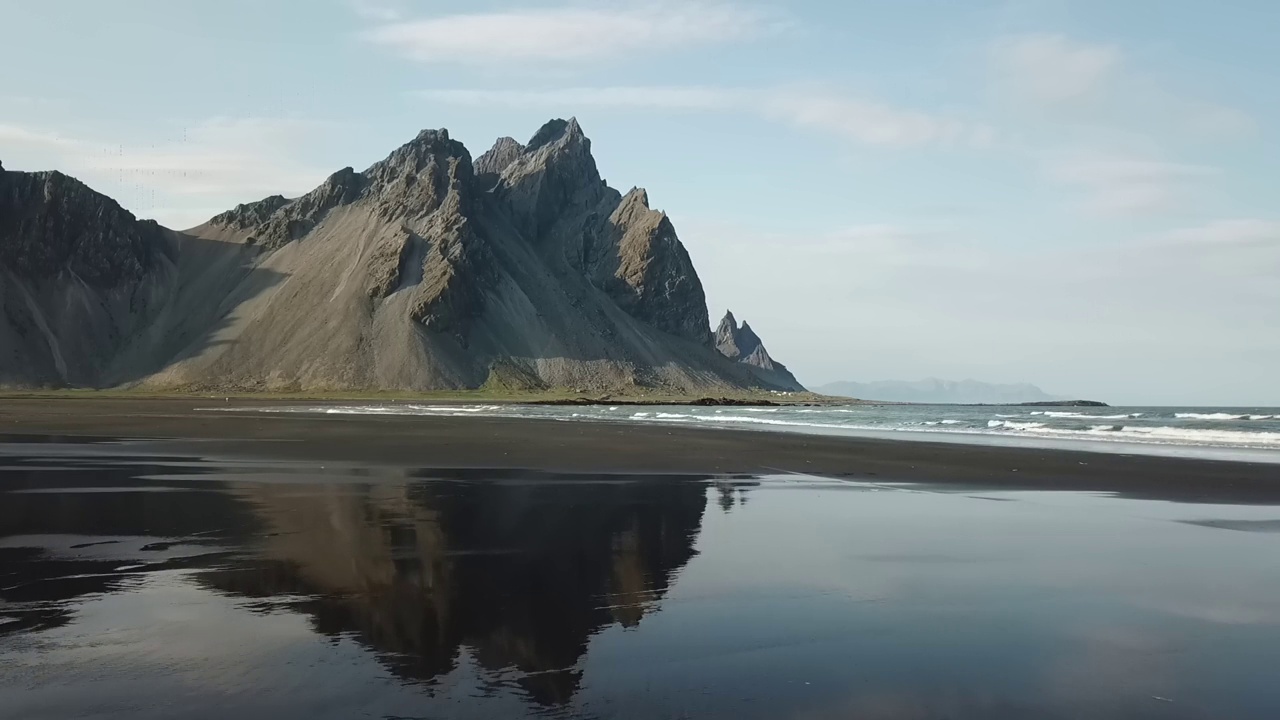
<point>1082,194</point>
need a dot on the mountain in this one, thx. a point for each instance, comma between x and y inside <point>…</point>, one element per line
<point>521,269</point>
<point>742,345</point>
<point>933,390</point>
<point>75,268</point>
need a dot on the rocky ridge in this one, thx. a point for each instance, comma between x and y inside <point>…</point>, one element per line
<point>521,269</point>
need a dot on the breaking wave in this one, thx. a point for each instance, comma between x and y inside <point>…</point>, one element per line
<point>1255,428</point>
<point>1221,416</point>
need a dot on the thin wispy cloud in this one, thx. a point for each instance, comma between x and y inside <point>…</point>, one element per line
<point>1079,80</point>
<point>1051,68</point>
<point>567,99</point>
<point>819,109</point>
<point>379,10</point>
<point>17,136</point>
<point>1231,232</point>
<point>570,33</point>
<point>219,162</point>
<point>1127,185</point>
<point>869,122</point>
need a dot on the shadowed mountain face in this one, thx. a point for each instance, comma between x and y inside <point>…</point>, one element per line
<point>75,268</point>
<point>520,269</point>
<point>742,345</point>
<point>515,570</point>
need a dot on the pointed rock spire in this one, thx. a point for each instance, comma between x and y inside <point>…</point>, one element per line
<point>734,341</point>
<point>741,344</point>
<point>557,131</point>
<point>502,154</point>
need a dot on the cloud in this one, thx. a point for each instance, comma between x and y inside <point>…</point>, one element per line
<point>14,135</point>
<point>864,121</point>
<point>867,122</point>
<point>1244,231</point>
<point>1053,69</point>
<point>625,97</point>
<point>217,163</point>
<point>1215,121</point>
<point>379,10</point>
<point>569,33</point>
<point>1126,185</point>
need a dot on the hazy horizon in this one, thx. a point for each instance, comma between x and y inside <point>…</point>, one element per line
<point>1076,195</point>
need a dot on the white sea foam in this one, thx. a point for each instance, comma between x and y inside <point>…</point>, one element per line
<point>856,420</point>
<point>1199,436</point>
<point>1088,416</point>
<point>1161,434</point>
<point>1014,425</point>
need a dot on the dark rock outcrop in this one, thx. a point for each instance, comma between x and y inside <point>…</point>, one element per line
<point>52,225</point>
<point>250,215</point>
<point>78,276</point>
<point>498,158</point>
<point>741,344</point>
<point>654,278</point>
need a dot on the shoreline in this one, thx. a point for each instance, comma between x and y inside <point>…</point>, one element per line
<point>549,398</point>
<point>762,399</point>
<point>422,442</point>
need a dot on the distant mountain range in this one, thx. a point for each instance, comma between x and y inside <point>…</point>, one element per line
<point>934,390</point>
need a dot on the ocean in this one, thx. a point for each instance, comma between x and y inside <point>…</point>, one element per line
<point>1234,433</point>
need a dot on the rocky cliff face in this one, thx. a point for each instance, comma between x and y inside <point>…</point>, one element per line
<point>78,275</point>
<point>428,270</point>
<point>741,344</point>
<point>53,225</point>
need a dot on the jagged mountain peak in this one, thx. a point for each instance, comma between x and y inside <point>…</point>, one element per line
<point>736,341</point>
<point>634,209</point>
<point>638,196</point>
<point>499,157</point>
<point>558,131</point>
<point>432,136</point>
<point>415,156</point>
<point>741,344</point>
<point>52,224</point>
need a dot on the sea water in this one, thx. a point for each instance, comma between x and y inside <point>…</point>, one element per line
<point>1239,433</point>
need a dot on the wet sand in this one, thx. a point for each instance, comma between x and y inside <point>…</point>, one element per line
<point>579,447</point>
<point>239,578</point>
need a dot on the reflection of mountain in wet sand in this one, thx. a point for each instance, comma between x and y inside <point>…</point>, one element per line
<point>521,573</point>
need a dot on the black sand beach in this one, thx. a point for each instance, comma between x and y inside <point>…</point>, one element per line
<point>581,447</point>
